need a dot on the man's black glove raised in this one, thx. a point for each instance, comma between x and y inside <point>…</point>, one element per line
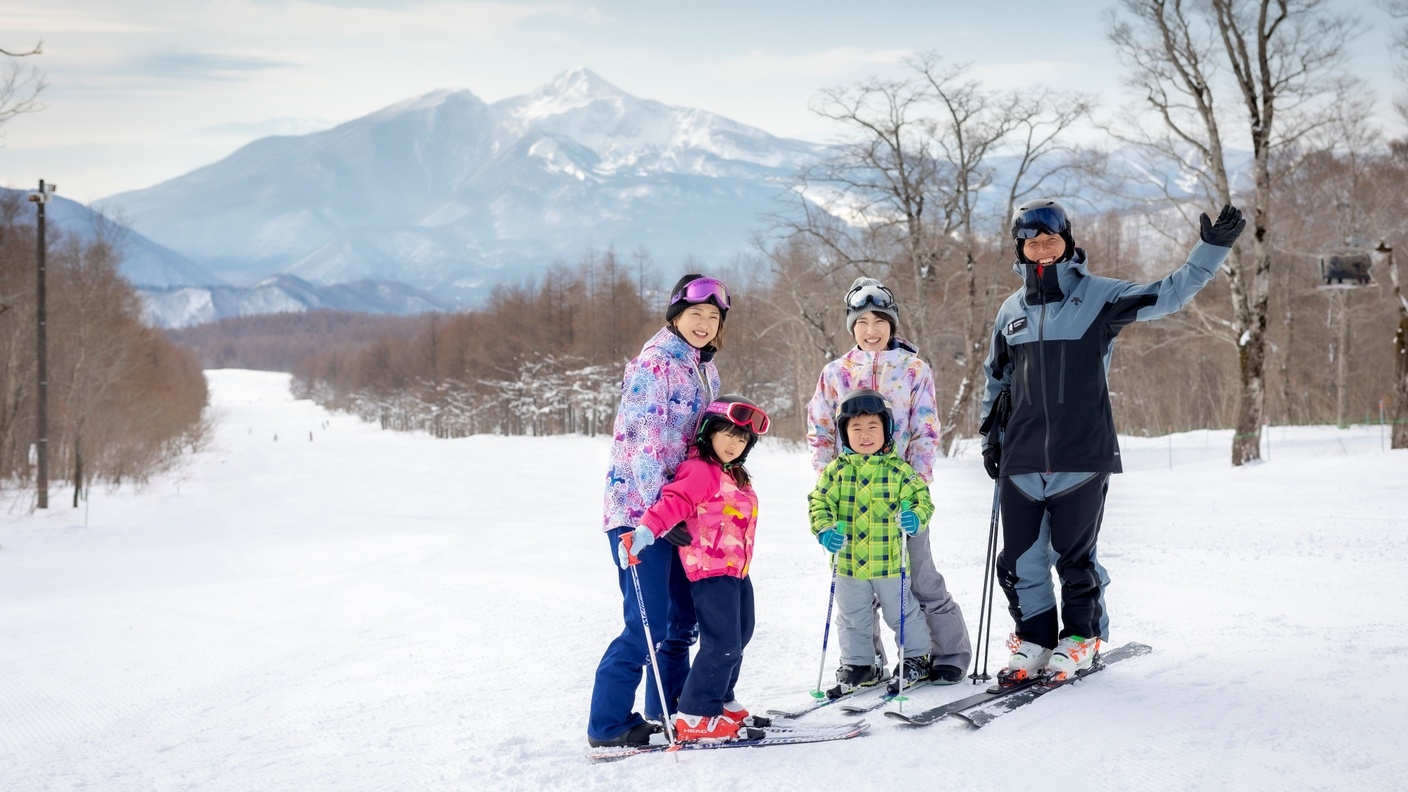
<point>678,536</point>
<point>992,460</point>
<point>1225,231</point>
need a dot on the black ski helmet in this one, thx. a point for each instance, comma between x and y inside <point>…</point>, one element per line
<point>865,402</point>
<point>1042,216</point>
<point>717,414</point>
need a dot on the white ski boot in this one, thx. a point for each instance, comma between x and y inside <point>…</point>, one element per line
<point>1027,661</point>
<point>1073,655</point>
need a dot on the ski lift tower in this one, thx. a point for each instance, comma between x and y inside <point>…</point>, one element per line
<point>1343,270</point>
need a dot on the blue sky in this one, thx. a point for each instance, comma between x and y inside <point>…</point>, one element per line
<point>144,90</point>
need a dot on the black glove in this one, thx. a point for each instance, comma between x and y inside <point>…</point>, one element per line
<point>1225,231</point>
<point>678,536</point>
<point>992,460</point>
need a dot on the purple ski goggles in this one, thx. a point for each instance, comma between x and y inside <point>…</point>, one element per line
<point>702,290</point>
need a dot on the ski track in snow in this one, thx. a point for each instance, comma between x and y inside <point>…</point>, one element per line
<point>382,611</point>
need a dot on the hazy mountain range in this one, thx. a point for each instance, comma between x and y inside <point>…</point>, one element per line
<point>177,292</point>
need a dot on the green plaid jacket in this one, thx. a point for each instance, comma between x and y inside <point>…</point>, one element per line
<point>865,494</point>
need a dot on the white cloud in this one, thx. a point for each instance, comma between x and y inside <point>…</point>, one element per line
<point>47,18</point>
<point>1018,74</point>
<point>825,64</point>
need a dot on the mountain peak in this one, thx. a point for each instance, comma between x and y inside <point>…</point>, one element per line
<point>570,90</point>
<point>581,82</point>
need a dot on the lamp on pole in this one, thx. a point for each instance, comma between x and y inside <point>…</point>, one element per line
<point>41,399</point>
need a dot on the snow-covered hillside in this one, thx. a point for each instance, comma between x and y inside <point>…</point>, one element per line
<point>143,262</point>
<point>312,603</point>
<point>192,305</point>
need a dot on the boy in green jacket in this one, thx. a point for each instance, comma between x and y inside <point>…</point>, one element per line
<point>863,499</point>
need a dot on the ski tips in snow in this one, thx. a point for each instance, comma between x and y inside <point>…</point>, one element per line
<point>980,709</point>
<point>756,738</point>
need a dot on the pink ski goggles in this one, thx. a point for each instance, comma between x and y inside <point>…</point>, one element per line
<point>740,414</point>
<point>702,290</point>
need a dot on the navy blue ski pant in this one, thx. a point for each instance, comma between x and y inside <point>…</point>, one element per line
<point>724,606</point>
<point>1057,529</point>
<point>670,609</point>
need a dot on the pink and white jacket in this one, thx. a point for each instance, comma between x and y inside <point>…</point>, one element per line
<point>906,382</point>
<point>663,392</point>
<point>722,519</point>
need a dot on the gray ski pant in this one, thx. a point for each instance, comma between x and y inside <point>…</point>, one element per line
<point>856,622</point>
<point>948,633</point>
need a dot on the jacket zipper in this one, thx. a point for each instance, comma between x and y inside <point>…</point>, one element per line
<point>1045,400</point>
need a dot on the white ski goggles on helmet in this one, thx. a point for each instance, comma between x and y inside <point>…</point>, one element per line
<point>873,295</point>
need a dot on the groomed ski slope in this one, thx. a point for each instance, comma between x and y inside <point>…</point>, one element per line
<point>371,610</point>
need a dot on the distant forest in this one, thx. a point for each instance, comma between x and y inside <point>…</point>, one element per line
<point>123,400</point>
<point>278,342</point>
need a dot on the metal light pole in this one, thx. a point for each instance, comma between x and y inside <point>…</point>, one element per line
<point>41,400</point>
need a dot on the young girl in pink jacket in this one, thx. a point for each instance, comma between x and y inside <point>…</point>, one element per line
<point>713,500</point>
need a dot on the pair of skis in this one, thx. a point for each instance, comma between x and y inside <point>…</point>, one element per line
<point>783,733</point>
<point>755,737</point>
<point>983,708</point>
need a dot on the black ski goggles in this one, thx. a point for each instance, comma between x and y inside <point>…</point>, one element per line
<point>1041,220</point>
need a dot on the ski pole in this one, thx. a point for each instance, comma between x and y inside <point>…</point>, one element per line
<point>989,585</point>
<point>631,562</point>
<point>904,561</point>
<point>994,427</point>
<point>826,632</point>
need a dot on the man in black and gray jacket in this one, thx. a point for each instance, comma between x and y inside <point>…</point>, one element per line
<point>1050,438</point>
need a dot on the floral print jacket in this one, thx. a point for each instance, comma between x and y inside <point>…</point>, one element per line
<point>905,381</point>
<point>665,389</point>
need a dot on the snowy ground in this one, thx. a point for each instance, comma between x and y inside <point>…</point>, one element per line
<point>366,610</point>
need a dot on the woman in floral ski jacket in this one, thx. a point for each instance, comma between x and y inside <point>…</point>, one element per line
<point>663,393</point>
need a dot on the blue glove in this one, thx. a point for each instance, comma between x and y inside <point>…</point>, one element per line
<point>832,539</point>
<point>909,521</point>
<point>627,551</point>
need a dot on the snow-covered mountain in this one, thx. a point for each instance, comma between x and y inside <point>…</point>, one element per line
<point>192,305</point>
<point>448,193</point>
<point>143,262</point>
<point>177,292</point>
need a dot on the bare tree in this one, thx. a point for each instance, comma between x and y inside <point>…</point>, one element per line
<point>20,85</point>
<point>1281,61</point>
<point>972,126</point>
<point>1398,9</point>
<point>1400,348</point>
<point>900,199</point>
